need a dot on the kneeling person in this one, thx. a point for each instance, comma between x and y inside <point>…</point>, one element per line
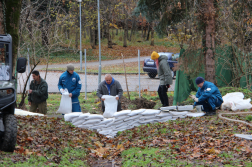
<point>207,95</point>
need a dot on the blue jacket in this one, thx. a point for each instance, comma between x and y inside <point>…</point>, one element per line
<point>72,82</point>
<point>210,93</point>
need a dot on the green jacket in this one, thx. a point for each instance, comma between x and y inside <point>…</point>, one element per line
<point>164,71</point>
<point>39,91</point>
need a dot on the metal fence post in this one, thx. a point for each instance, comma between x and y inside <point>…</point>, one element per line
<point>85,74</point>
<point>99,36</point>
<point>139,73</point>
<point>28,58</point>
<point>80,41</point>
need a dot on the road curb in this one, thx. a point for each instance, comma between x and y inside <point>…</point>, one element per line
<point>94,73</point>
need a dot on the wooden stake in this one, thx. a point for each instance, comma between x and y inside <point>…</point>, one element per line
<point>125,77</point>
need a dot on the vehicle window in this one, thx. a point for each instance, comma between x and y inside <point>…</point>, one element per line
<point>4,62</point>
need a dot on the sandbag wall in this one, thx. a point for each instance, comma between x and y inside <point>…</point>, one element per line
<point>122,120</point>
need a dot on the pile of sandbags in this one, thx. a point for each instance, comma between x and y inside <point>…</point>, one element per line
<point>123,120</point>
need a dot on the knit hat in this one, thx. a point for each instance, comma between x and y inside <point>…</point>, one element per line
<point>154,55</point>
<point>70,67</point>
<point>199,80</point>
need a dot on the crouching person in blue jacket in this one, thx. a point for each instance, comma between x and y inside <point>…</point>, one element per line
<point>71,81</point>
<point>207,95</point>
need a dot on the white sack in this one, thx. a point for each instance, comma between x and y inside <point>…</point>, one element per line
<point>86,126</point>
<point>199,114</point>
<point>136,112</point>
<point>110,104</point>
<point>92,121</point>
<point>106,121</point>
<point>25,113</point>
<point>65,103</point>
<point>164,114</point>
<point>132,118</point>
<point>178,113</point>
<point>148,117</point>
<point>94,116</point>
<point>164,119</point>
<point>235,101</point>
<point>151,112</point>
<point>121,113</point>
<point>146,121</point>
<point>248,137</point>
<point>79,122</point>
<point>105,132</point>
<point>122,117</point>
<point>69,117</point>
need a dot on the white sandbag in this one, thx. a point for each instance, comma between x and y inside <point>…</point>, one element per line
<point>148,117</point>
<point>79,122</point>
<point>198,114</point>
<point>110,104</point>
<point>69,117</point>
<point>178,113</point>
<point>244,136</point>
<point>235,101</point>
<point>122,117</point>
<point>151,112</point>
<point>25,113</point>
<point>146,121</point>
<point>164,114</point>
<point>92,121</point>
<point>120,113</point>
<point>132,118</point>
<point>108,128</point>
<point>122,128</point>
<point>164,119</point>
<point>65,103</point>
<point>168,108</point>
<point>136,112</point>
<point>109,124</point>
<point>106,121</point>
<point>121,124</point>
<point>179,116</point>
<point>116,122</point>
<point>94,116</point>
<point>86,126</point>
<point>105,132</point>
<point>84,116</point>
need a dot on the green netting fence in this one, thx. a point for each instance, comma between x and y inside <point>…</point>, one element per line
<point>232,69</point>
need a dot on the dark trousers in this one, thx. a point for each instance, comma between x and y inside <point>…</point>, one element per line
<point>162,93</point>
<point>118,107</point>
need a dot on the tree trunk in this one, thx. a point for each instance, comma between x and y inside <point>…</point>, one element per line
<point>125,33</point>
<point>148,34</point>
<point>13,10</point>
<point>76,38</point>
<point>152,34</point>
<point>109,37</point>
<point>209,40</point>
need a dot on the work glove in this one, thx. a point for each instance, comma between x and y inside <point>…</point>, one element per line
<point>61,91</point>
<point>196,99</point>
<point>193,96</point>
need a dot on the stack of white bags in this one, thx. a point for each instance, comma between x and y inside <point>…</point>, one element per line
<point>123,120</point>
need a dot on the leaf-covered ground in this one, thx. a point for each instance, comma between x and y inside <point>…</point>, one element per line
<point>203,141</point>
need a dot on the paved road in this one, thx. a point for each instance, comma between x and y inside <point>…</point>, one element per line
<point>52,78</point>
<point>146,83</point>
<point>103,63</point>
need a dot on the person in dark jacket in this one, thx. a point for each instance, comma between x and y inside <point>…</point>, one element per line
<point>112,87</point>
<point>207,95</point>
<point>71,81</point>
<point>38,93</point>
<point>164,74</point>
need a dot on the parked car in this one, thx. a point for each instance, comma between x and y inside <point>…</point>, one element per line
<point>151,68</point>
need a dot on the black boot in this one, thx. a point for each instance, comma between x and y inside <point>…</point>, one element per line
<point>213,112</point>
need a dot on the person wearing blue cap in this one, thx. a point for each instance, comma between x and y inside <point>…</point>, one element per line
<point>207,95</point>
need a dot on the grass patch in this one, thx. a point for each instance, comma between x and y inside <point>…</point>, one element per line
<point>151,157</point>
